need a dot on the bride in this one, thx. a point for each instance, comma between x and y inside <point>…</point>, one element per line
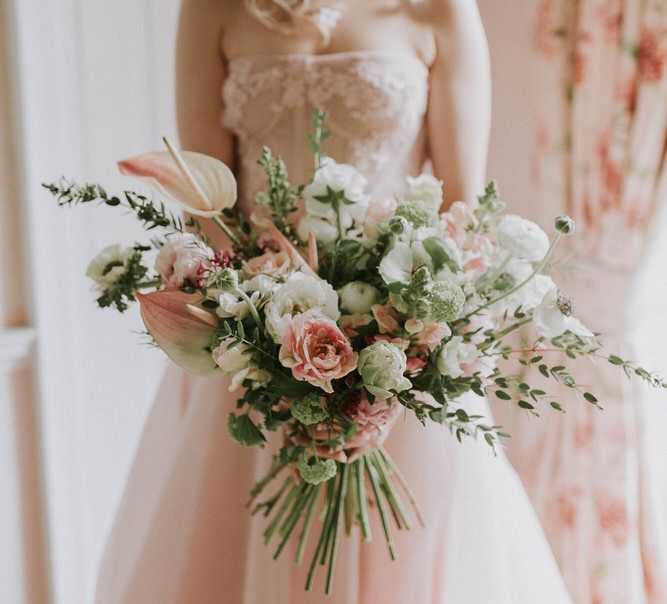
<point>403,82</point>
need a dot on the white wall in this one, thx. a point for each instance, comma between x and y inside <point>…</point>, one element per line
<point>96,85</point>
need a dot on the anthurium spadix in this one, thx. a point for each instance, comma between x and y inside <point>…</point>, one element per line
<point>182,329</point>
<point>201,184</point>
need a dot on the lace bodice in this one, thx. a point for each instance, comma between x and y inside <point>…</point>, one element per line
<point>376,102</point>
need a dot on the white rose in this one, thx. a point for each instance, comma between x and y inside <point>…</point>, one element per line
<point>425,188</point>
<point>322,230</point>
<point>109,265</point>
<point>522,238</point>
<point>337,177</point>
<point>553,317</point>
<point>357,297</point>
<point>454,354</point>
<point>298,294</point>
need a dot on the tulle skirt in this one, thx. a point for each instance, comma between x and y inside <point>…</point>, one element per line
<point>183,533</point>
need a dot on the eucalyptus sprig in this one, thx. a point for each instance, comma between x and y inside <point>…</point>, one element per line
<point>150,213</point>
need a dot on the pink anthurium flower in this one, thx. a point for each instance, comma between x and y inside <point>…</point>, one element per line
<point>182,329</point>
<point>202,185</point>
<point>286,246</point>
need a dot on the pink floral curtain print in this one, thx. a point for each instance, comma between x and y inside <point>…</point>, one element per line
<point>603,118</point>
<point>599,97</point>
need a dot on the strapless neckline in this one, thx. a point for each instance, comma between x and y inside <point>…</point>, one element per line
<point>331,57</point>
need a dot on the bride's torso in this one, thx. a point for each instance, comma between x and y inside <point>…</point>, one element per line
<point>376,101</point>
<point>370,75</point>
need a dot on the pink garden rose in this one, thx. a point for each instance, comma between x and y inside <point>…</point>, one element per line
<point>316,350</point>
<point>183,260</point>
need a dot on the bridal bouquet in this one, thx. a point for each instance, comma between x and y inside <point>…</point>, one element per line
<point>334,322</point>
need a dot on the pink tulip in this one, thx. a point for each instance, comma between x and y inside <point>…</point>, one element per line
<point>202,185</point>
<point>180,327</point>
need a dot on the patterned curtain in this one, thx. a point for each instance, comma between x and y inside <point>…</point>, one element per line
<point>602,119</point>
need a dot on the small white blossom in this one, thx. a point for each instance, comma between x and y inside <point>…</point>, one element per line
<point>553,317</point>
<point>454,355</point>
<point>238,365</point>
<point>324,231</point>
<point>340,178</point>
<point>109,265</point>
<point>396,266</point>
<point>528,296</point>
<point>522,238</point>
<point>357,297</point>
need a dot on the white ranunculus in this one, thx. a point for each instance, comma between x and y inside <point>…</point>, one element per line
<point>357,297</point>
<point>553,317</point>
<point>337,177</point>
<point>396,266</point>
<point>298,294</point>
<point>426,189</point>
<point>323,230</point>
<point>109,265</point>
<point>454,354</point>
<point>522,238</point>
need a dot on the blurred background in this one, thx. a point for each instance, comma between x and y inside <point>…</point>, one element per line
<point>83,84</point>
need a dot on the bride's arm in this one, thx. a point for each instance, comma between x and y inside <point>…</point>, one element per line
<point>200,73</point>
<point>460,100</point>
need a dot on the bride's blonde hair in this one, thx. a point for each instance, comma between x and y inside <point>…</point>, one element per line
<point>286,15</point>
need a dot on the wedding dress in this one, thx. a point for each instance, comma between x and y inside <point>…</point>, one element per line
<point>183,533</point>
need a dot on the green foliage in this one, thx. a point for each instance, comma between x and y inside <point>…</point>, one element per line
<point>123,291</point>
<point>149,213</point>
<point>280,198</point>
<point>244,431</point>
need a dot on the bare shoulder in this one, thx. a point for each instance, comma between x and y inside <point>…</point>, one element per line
<point>203,22</point>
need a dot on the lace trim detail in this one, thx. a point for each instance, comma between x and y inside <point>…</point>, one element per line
<point>378,102</point>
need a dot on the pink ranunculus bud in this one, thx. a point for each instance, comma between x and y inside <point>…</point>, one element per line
<point>433,334</point>
<point>202,185</point>
<point>180,327</point>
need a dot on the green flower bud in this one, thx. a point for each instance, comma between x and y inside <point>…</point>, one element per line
<point>421,279</point>
<point>381,366</point>
<point>227,279</point>
<point>419,214</point>
<point>398,225</point>
<point>447,301</point>
<point>308,410</point>
<point>564,224</point>
<point>422,309</point>
<point>315,470</point>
